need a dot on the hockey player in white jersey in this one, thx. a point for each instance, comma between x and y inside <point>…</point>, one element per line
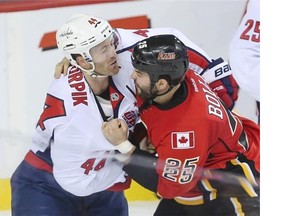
<point>244,52</point>
<point>70,168</point>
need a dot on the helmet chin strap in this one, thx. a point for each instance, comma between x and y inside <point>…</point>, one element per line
<point>168,90</point>
<point>153,95</point>
<point>149,100</point>
<point>91,72</point>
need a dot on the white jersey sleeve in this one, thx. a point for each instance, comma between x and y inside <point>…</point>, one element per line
<point>71,126</point>
<point>200,62</point>
<point>244,51</point>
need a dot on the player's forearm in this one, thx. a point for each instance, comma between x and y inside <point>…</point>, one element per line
<point>142,169</point>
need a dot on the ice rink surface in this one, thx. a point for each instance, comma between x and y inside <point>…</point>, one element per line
<point>136,208</point>
<point>142,208</point>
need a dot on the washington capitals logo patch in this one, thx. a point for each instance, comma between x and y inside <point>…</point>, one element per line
<point>183,140</point>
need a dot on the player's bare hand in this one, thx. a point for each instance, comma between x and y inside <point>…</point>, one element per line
<point>61,68</point>
<point>115,131</point>
<point>146,145</point>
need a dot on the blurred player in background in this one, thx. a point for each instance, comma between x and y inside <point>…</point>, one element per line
<point>244,52</point>
<point>208,157</point>
<point>70,168</point>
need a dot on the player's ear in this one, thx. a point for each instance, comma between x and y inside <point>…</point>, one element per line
<point>162,84</point>
<point>82,62</point>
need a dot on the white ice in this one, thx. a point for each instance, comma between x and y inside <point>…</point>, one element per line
<point>136,208</point>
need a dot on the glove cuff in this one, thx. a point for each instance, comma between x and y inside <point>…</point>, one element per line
<point>124,147</point>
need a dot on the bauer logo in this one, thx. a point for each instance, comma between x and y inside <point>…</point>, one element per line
<point>183,140</point>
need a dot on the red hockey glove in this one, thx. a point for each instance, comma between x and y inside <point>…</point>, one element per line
<point>227,89</point>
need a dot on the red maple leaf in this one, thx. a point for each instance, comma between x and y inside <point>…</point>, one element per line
<point>183,139</point>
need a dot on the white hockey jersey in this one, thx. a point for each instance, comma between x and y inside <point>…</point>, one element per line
<point>244,51</point>
<point>70,124</point>
<point>200,61</point>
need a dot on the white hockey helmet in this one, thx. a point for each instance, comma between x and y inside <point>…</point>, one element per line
<point>80,34</point>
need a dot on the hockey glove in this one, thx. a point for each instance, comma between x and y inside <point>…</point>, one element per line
<point>138,134</point>
<point>219,77</point>
<point>227,89</point>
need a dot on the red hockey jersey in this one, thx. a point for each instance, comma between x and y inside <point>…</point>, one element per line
<point>195,136</point>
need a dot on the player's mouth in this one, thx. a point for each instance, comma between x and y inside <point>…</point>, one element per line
<point>113,63</point>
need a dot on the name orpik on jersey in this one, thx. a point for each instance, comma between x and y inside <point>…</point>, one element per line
<point>76,82</point>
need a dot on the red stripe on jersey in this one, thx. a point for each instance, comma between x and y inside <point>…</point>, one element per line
<point>197,59</point>
<point>37,162</point>
<point>121,186</point>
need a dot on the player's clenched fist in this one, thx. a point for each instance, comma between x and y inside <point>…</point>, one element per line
<point>115,132</point>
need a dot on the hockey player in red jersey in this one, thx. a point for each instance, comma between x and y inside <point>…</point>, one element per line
<point>208,157</point>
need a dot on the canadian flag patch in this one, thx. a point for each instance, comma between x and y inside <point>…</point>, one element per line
<point>183,140</point>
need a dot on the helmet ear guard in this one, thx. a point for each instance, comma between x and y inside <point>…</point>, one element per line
<point>79,35</point>
<point>161,56</point>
